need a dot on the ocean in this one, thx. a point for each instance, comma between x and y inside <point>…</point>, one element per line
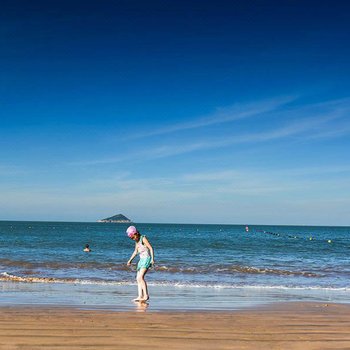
<point>196,266</point>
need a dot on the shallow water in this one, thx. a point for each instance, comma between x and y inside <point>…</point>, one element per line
<point>197,266</point>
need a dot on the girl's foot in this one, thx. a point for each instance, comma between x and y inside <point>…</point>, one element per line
<point>138,299</point>
<point>145,298</point>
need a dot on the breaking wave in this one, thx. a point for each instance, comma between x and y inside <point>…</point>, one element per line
<point>7,277</point>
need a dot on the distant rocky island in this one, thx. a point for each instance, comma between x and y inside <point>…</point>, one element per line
<point>119,219</point>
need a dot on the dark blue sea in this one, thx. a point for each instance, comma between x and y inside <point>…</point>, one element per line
<point>197,266</point>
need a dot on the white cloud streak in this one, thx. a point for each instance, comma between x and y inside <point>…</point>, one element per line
<point>309,122</point>
<point>222,115</point>
<point>297,128</point>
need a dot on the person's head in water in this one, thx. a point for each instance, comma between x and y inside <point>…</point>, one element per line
<point>87,248</point>
<point>133,233</point>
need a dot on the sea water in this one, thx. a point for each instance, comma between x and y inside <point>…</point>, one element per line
<point>196,266</point>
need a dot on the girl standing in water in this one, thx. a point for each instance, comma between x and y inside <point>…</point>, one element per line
<point>145,250</point>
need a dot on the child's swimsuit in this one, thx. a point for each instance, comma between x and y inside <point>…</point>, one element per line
<point>145,257</point>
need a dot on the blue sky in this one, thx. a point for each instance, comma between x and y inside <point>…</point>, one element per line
<point>175,111</point>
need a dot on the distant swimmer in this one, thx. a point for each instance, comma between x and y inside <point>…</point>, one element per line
<point>87,248</point>
<point>247,229</point>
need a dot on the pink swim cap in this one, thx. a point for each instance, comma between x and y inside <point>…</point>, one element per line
<point>131,231</point>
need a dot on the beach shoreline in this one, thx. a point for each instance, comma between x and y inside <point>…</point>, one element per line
<point>290,325</point>
<point>118,297</point>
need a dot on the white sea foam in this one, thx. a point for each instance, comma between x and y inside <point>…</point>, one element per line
<point>13,278</point>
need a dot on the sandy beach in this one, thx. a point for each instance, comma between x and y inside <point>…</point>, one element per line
<point>285,326</point>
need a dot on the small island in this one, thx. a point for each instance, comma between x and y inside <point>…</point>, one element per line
<point>119,219</point>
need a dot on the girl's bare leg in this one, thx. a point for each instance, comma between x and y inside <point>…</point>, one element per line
<point>142,283</point>
<point>139,288</point>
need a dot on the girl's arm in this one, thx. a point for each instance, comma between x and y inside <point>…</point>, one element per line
<point>132,256</point>
<point>148,245</point>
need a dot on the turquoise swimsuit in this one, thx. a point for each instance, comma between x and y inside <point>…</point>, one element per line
<point>145,257</point>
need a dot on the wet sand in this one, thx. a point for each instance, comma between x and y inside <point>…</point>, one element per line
<point>285,326</point>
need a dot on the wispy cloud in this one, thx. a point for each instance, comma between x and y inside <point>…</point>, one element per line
<point>295,128</point>
<point>239,174</point>
<point>224,185</point>
<point>306,122</point>
<point>222,115</point>
<point>273,183</point>
<point>338,130</point>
